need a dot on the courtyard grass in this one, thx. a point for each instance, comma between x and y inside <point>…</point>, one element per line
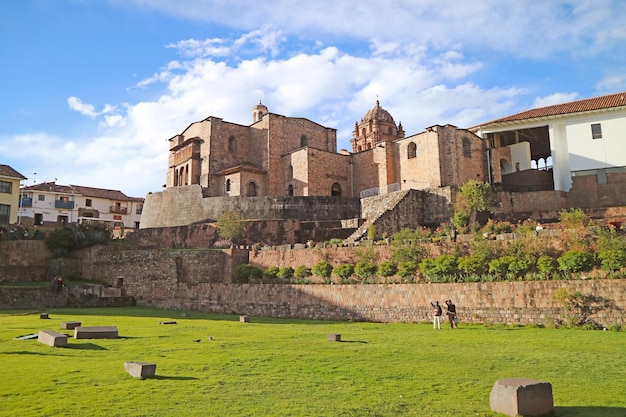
<point>274,367</point>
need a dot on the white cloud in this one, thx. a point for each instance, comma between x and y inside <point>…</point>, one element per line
<point>83,108</point>
<point>556,98</point>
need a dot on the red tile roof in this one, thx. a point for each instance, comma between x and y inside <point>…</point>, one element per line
<point>82,190</point>
<point>7,171</point>
<point>589,104</point>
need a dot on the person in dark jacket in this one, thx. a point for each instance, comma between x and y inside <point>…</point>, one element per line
<point>452,314</point>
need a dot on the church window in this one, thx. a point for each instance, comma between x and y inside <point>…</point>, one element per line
<point>232,144</point>
<point>335,189</point>
<point>252,189</point>
<point>304,141</point>
<point>369,146</point>
<point>290,190</point>
<point>227,185</point>
<point>467,148</point>
<point>363,132</point>
<point>411,150</point>
<point>290,171</point>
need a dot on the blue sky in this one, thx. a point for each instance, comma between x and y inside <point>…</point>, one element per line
<point>92,89</point>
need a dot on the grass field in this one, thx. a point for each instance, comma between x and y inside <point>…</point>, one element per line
<point>272,367</point>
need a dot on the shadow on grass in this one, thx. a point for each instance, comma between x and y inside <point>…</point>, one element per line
<point>175,378</point>
<point>589,411</point>
<point>24,352</point>
<point>85,346</point>
<point>352,341</point>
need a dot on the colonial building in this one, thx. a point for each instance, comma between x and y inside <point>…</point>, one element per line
<point>290,156</point>
<point>51,204</point>
<point>10,181</point>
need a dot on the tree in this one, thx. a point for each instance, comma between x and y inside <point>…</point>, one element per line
<point>474,196</point>
<point>230,225</point>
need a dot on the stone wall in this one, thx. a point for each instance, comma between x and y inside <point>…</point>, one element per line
<point>505,302</point>
<point>24,261</point>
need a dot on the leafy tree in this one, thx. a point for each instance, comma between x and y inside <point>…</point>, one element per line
<point>574,218</point>
<point>365,270</point>
<point>271,273</point>
<point>61,241</point>
<point>285,273</point>
<point>406,245</point>
<point>344,271</point>
<point>302,271</point>
<point>371,231</point>
<point>438,267</point>
<point>612,259</point>
<point>322,269</point>
<point>575,261</point>
<point>473,264</point>
<point>245,272</point>
<point>545,265</point>
<point>230,225</point>
<point>387,269</point>
<point>473,197</point>
<point>407,269</point>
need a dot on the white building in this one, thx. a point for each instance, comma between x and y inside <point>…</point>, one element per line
<point>50,204</point>
<point>584,137</point>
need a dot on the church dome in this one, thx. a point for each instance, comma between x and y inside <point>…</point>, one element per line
<point>378,113</point>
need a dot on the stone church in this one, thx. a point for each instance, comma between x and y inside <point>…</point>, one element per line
<point>290,156</point>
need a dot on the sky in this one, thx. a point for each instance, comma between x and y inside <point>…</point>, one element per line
<point>91,90</point>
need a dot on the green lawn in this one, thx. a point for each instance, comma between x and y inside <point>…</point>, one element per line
<point>272,367</point>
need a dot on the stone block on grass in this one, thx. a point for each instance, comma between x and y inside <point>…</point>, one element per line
<point>244,319</point>
<point>70,325</point>
<point>95,332</point>
<point>333,337</point>
<point>521,397</point>
<point>140,369</point>
<point>52,338</point>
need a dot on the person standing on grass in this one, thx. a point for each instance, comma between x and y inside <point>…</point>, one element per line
<point>451,314</point>
<point>437,312</point>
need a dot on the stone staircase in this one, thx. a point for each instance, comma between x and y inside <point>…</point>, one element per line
<point>373,208</point>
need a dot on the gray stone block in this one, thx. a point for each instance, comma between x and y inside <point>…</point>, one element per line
<point>521,397</point>
<point>95,332</point>
<point>244,319</point>
<point>140,369</point>
<point>333,337</point>
<point>70,325</point>
<point>52,338</point>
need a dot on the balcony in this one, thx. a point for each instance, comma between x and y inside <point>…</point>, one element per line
<point>26,202</point>
<point>118,210</point>
<point>60,204</point>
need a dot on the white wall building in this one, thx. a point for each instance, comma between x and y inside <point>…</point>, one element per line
<point>50,204</point>
<point>585,137</point>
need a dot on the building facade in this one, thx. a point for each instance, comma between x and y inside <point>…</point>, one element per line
<point>287,156</point>
<point>10,181</point>
<point>54,205</point>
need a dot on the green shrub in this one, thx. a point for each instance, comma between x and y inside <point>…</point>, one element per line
<point>245,272</point>
<point>545,265</point>
<point>344,271</point>
<point>322,269</point>
<point>365,270</point>
<point>501,265</point>
<point>285,273</point>
<point>574,218</point>
<point>575,261</point>
<point>335,241</point>
<point>371,232</point>
<point>519,266</point>
<point>407,269</point>
<point>473,264</point>
<point>302,271</point>
<point>387,269</point>
<point>612,259</point>
<point>271,273</point>
<point>61,241</point>
<point>443,265</point>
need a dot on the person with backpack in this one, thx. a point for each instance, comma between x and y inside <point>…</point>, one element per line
<point>454,321</point>
<point>437,312</point>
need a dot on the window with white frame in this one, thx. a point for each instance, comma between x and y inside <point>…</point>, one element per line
<point>596,131</point>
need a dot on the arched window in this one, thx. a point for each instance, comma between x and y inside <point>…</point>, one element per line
<point>411,150</point>
<point>227,185</point>
<point>290,190</point>
<point>360,148</point>
<point>467,148</point>
<point>232,144</point>
<point>369,146</point>
<point>335,189</point>
<point>304,141</point>
<point>363,132</point>
<point>252,189</point>
<point>176,177</point>
<point>290,171</point>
